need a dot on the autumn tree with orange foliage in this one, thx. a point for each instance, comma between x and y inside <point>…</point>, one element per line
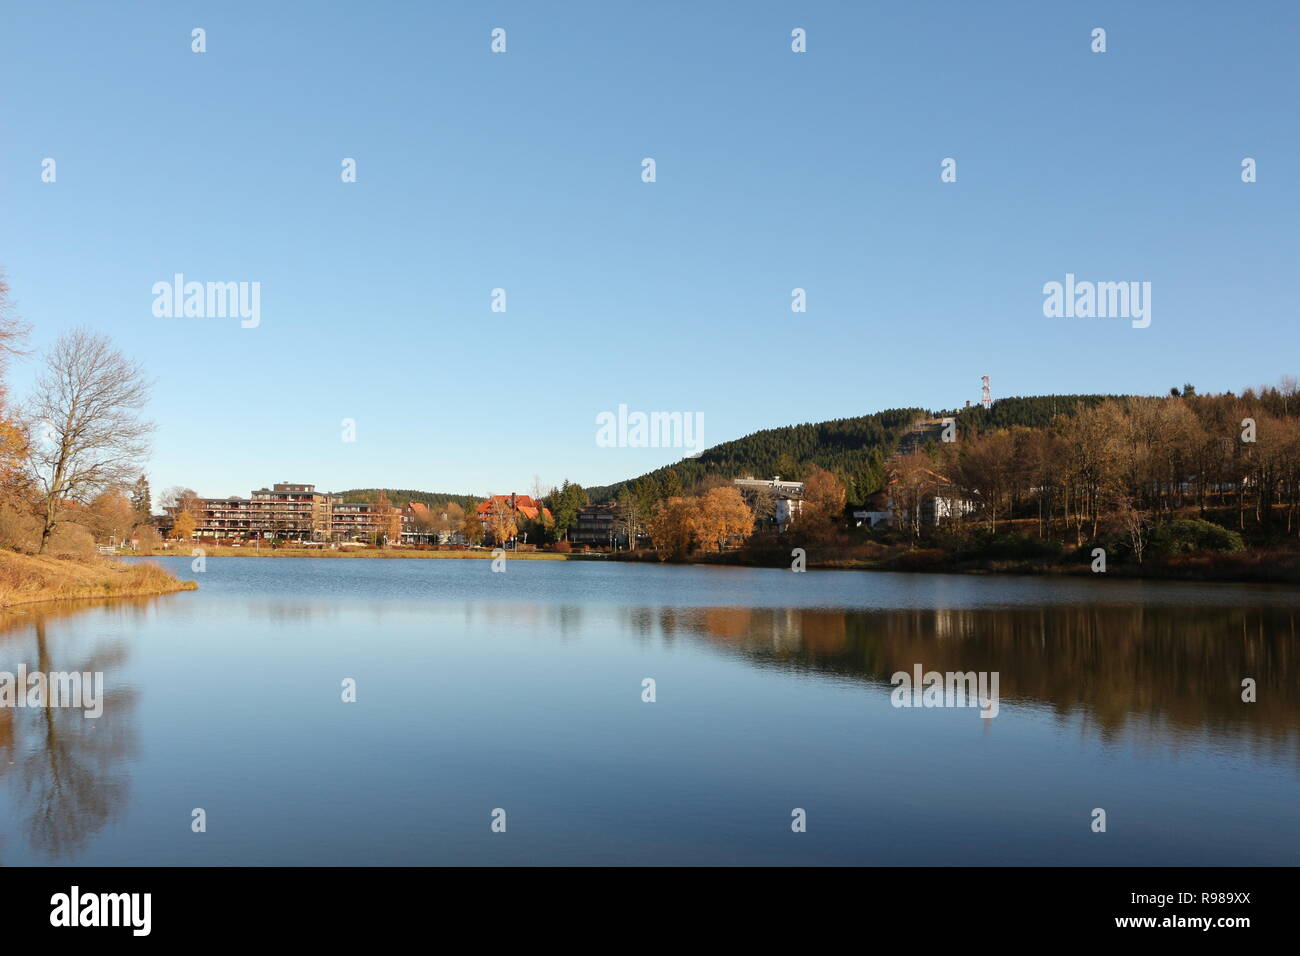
<point>388,520</point>
<point>720,515</point>
<point>822,509</point>
<point>501,522</point>
<point>183,528</point>
<point>671,528</point>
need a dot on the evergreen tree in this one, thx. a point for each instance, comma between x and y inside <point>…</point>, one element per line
<point>141,501</point>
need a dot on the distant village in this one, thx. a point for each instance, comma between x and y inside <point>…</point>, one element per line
<point>299,513</point>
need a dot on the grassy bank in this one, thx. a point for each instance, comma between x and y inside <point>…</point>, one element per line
<point>1265,567</point>
<point>218,552</point>
<point>28,578</point>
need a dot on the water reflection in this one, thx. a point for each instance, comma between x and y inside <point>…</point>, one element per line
<point>66,774</point>
<point>1161,673</point>
<point>1162,669</point>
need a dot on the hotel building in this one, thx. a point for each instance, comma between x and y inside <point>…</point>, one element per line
<point>295,512</point>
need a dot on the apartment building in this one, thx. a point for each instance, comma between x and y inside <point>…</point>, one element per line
<point>291,511</point>
<point>598,525</point>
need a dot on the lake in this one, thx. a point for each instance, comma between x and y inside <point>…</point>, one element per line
<point>523,692</point>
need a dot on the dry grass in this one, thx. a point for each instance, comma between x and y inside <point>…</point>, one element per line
<point>26,578</point>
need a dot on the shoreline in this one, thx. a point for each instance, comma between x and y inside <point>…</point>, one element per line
<point>1192,569</point>
<point>27,579</point>
<point>372,553</point>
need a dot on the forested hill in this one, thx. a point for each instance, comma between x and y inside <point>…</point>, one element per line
<point>854,448</point>
<point>1034,411</point>
<point>400,497</point>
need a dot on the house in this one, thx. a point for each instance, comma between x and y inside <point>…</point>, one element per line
<point>598,525</point>
<point>787,497</point>
<point>876,512</point>
<point>417,524</point>
<point>940,501</point>
<point>524,508</point>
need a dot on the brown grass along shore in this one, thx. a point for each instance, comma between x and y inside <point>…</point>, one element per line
<point>29,578</point>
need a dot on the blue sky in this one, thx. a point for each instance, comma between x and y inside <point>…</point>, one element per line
<point>522,171</point>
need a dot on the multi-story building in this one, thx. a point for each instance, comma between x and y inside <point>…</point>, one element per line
<point>598,525</point>
<point>296,512</point>
<point>362,520</point>
<point>292,511</point>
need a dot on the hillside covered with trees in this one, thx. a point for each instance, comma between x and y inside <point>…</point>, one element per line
<point>1182,484</point>
<point>853,449</point>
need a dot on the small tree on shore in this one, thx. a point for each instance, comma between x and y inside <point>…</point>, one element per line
<point>471,529</point>
<point>184,527</point>
<point>501,522</point>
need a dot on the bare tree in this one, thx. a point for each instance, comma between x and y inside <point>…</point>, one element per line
<point>85,411</point>
<point>13,331</point>
<point>176,499</point>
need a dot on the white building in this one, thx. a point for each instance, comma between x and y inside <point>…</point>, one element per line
<point>788,496</point>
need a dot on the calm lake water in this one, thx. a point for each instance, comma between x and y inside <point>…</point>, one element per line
<point>523,691</point>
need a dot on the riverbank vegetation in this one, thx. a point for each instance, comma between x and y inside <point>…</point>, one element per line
<point>70,459</point>
<point>1185,485</point>
<point>28,578</point>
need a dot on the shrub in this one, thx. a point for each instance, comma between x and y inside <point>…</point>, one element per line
<point>921,559</point>
<point>19,531</point>
<point>1187,535</point>
<point>563,547</point>
<point>71,541</point>
<point>1009,547</point>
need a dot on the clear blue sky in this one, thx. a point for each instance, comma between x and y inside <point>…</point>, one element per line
<point>775,170</point>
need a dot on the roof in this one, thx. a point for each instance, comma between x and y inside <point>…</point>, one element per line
<point>525,505</point>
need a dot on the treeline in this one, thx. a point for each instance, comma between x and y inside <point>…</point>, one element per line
<point>399,498</point>
<point>1124,467</point>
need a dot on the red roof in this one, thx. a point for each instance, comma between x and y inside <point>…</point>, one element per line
<point>525,505</point>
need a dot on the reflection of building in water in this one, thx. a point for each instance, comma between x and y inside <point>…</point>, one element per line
<point>784,631</point>
<point>953,624</point>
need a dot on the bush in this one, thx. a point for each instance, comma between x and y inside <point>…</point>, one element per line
<point>19,531</point>
<point>1009,547</point>
<point>1187,535</point>
<point>562,546</point>
<point>71,541</point>
<point>921,559</point>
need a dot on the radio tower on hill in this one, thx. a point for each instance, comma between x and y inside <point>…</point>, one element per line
<point>986,396</point>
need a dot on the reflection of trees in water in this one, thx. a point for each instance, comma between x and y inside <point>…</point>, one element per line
<point>65,771</point>
<point>1173,668</point>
